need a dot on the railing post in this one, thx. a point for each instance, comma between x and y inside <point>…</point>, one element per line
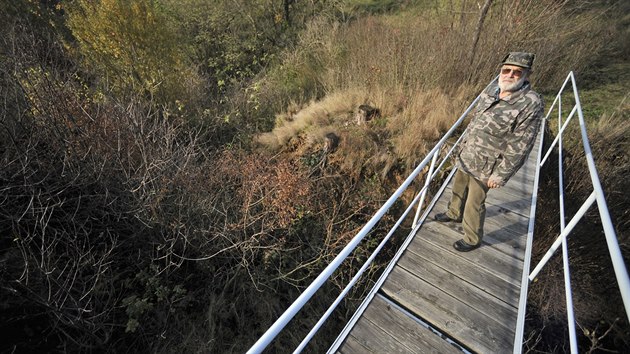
<point>565,250</point>
<point>425,189</point>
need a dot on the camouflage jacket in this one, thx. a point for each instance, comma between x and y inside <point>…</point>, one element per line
<point>501,133</point>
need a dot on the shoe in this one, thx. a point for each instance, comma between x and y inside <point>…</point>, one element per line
<point>462,246</point>
<point>442,217</point>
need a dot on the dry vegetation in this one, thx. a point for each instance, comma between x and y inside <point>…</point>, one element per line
<point>134,219</point>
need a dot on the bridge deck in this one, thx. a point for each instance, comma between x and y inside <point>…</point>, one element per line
<point>470,299</point>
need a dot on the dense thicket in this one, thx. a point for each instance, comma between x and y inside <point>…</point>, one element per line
<point>167,182</point>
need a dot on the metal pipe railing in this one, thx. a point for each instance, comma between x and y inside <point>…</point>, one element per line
<point>425,189</point>
<point>576,218</point>
<point>555,141</point>
<point>596,196</point>
<point>619,265</point>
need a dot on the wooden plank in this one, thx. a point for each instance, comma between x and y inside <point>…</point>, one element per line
<point>527,172</point>
<point>417,338</point>
<point>514,197</point>
<point>472,328</point>
<point>486,281</point>
<point>472,297</point>
<point>351,345</point>
<point>504,231</point>
<point>524,177</point>
<point>507,267</point>
<point>502,310</point>
<point>370,336</point>
<point>507,202</point>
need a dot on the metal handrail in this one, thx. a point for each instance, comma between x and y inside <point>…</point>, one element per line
<point>522,303</point>
<point>597,195</point>
<point>297,305</point>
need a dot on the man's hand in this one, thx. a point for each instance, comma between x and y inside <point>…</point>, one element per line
<point>493,182</point>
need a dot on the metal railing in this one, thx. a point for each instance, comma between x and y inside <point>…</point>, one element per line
<point>431,160</point>
<point>597,195</point>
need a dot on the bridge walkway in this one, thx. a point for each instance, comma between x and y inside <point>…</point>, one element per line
<point>439,300</point>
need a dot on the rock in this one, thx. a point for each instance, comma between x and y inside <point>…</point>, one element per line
<point>331,142</point>
<point>366,113</point>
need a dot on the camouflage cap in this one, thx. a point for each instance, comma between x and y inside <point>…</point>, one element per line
<point>522,59</point>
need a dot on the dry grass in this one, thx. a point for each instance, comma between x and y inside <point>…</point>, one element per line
<point>334,109</point>
<point>433,50</point>
<point>428,116</point>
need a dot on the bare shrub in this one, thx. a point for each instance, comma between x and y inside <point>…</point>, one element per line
<point>55,257</point>
<point>431,49</point>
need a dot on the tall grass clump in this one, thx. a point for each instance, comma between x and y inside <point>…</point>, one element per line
<point>393,137</point>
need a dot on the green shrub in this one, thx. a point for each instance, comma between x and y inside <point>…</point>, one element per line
<point>133,48</point>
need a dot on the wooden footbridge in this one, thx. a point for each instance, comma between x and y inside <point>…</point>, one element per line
<point>438,300</point>
<point>433,299</point>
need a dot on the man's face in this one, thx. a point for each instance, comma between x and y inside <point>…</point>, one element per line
<point>512,78</point>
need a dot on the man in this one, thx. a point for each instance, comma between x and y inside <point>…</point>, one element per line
<point>496,144</point>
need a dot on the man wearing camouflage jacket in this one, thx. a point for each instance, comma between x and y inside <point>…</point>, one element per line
<point>496,144</point>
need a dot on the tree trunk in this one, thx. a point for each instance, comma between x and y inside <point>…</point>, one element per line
<point>482,17</point>
<point>287,13</point>
<point>461,14</point>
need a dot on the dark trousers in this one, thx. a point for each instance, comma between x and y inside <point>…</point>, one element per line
<point>468,203</point>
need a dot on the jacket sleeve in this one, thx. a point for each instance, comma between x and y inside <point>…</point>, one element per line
<point>484,102</point>
<point>519,144</point>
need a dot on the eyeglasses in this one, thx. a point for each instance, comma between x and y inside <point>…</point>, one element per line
<point>516,72</point>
